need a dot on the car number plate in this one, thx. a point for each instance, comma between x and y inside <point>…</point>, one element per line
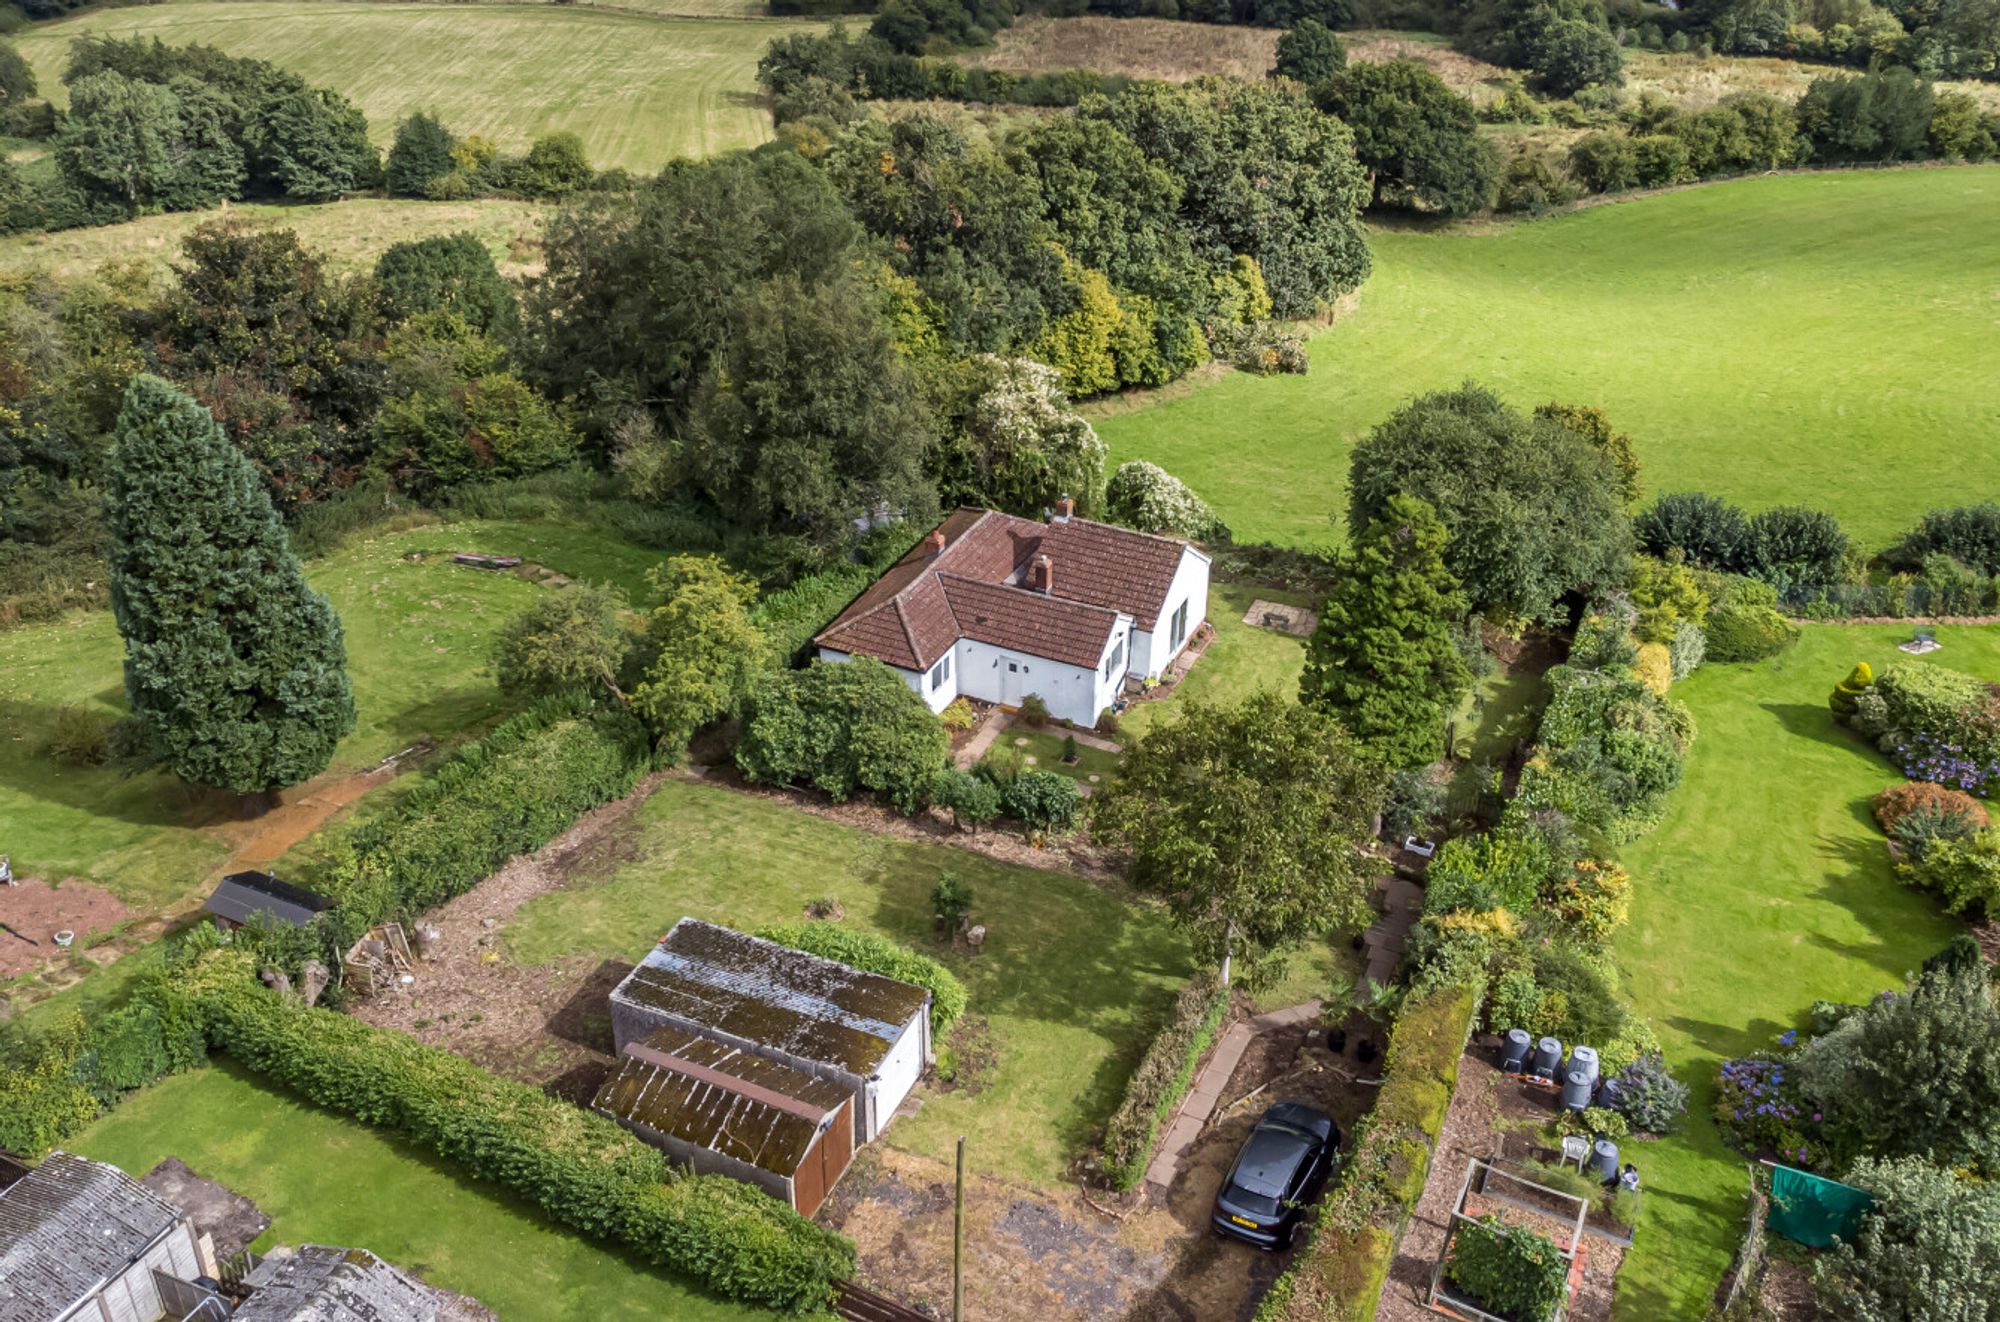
<point>1244,1221</point>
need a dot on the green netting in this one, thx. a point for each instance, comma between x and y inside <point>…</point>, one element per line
<point>1812,1211</point>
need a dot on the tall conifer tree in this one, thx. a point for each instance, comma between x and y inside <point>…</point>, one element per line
<point>1383,659</point>
<point>235,666</point>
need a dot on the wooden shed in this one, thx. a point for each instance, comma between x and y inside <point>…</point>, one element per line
<point>240,896</point>
<point>81,1241</point>
<point>868,1033</point>
<point>725,1111</point>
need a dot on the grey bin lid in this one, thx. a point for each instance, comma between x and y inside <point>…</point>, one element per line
<point>1548,1056</point>
<point>1576,1090</point>
<point>1514,1051</point>
<point>1584,1059</point>
<point>1604,1160</point>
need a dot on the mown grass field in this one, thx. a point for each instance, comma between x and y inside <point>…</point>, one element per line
<point>640,89</point>
<point>417,638</point>
<point>1766,887</point>
<point>1827,339</point>
<point>351,234</point>
<point>324,1179</point>
<point>1072,982</point>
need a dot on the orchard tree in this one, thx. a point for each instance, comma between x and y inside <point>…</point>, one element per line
<point>1383,659</point>
<point>1533,508</point>
<point>1309,53</point>
<point>1418,138</point>
<point>568,641</point>
<point>1247,821</point>
<point>704,648</point>
<point>233,665</point>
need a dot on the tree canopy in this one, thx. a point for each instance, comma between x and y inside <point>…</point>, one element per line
<point>704,650</point>
<point>234,667</point>
<point>1246,820</point>
<point>1417,137</point>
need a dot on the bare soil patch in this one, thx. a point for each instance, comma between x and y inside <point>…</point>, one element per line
<point>1785,1291</point>
<point>1137,47</point>
<point>32,911</point>
<point>549,1025</point>
<point>219,1211</point>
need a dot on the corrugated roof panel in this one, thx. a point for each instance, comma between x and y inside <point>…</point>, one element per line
<point>65,1228</point>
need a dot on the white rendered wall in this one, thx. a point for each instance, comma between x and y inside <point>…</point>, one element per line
<point>1152,652</point>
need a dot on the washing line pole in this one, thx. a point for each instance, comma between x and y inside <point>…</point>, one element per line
<point>958,1242</point>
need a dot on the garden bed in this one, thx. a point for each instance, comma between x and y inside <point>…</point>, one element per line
<point>33,911</point>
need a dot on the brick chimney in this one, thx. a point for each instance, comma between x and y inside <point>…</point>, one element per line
<point>937,541</point>
<point>1042,575</point>
<point>1065,507</point>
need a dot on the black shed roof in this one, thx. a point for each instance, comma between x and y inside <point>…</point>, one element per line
<point>240,895</point>
<point>722,1098</point>
<point>67,1227</point>
<point>757,991</point>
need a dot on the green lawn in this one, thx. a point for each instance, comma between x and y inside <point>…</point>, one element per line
<point>1766,887</point>
<point>1046,747</point>
<point>352,233</point>
<point>640,89</point>
<point>1072,981</point>
<point>1243,659</point>
<point>324,1179</point>
<point>1819,338</point>
<point>417,639</point>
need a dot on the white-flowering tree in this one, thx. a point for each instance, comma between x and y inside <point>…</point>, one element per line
<point>1019,445</point>
<point>1147,497</point>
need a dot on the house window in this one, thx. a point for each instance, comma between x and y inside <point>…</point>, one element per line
<point>1179,630</point>
<point>941,672</point>
<point>1116,659</point>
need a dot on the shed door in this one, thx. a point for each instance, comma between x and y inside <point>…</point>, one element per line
<point>824,1162</point>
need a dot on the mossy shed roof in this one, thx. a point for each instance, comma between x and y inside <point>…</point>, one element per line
<point>722,1098</point>
<point>756,991</point>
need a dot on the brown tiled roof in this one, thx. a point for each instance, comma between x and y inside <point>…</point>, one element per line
<point>929,599</point>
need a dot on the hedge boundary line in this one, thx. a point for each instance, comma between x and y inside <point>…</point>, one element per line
<point>1163,1078</point>
<point>581,1169</point>
<point>1338,1273</point>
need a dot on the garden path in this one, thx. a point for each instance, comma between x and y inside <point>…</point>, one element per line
<point>1199,1105</point>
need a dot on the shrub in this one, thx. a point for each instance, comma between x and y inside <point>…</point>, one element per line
<point>1898,801</point>
<point>1688,649</point>
<point>1790,545</point>
<point>1414,799</point>
<point>1927,699</point>
<point>951,901</point>
<point>1748,633</point>
<point>1648,1095</point>
<point>1706,531</point>
<point>79,739</point>
<point>1929,1247</point>
<point>1034,711</point>
<point>1969,534</point>
<point>1918,831</point>
<point>792,618</point>
<point>958,715</point>
<point>579,1168</point>
<point>1163,1077</point>
<point>510,793</point>
<point>1654,665</point>
<point>1611,750</point>
<point>974,800</point>
<point>1107,722</point>
<point>1511,1270</point>
<point>1666,594</point>
<point>1043,800</point>
<point>1964,870</point>
<point>43,1101</point>
<point>843,727</point>
<point>1842,701</point>
<point>877,954</point>
<point>1502,869</point>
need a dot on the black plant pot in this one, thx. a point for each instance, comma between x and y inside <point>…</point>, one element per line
<point>1336,1041</point>
<point>1365,1053</point>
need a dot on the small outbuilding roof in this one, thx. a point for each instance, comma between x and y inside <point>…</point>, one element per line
<point>722,1098</point>
<point>718,981</point>
<point>241,895</point>
<point>322,1284</point>
<point>66,1228</point>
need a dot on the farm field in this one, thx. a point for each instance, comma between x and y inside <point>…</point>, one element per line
<point>352,234</point>
<point>417,635</point>
<point>324,1179</point>
<point>639,89</point>
<point>1824,339</point>
<point>1072,982</point>
<point>1765,887</point>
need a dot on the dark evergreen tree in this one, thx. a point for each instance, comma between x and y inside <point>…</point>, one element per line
<point>233,665</point>
<point>1309,53</point>
<point>1383,660</point>
<point>421,153</point>
<point>447,273</point>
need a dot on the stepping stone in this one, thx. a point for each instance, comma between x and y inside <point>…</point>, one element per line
<point>1029,760</point>
<point>1022,742</point>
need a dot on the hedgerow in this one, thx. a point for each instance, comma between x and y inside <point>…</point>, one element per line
<point>876,954</point>
<point>578,1167</point>
<point>1163,1077</point>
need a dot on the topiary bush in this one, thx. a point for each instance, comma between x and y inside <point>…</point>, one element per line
<point>1513,1272</point>
<point>1847,693</point>
<point>877,954</point>
<point>1748,633</point>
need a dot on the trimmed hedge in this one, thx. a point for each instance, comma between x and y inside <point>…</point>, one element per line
<point>876,954</point>
<point>54,1083</point>
<point>1338,1271</point>
<point>509,793</point>
<point>1163,1077</point>
<point>580,1168</point>
<point>791,619</point>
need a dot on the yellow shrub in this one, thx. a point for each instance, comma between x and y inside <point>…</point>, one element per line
<point>1654,666</point>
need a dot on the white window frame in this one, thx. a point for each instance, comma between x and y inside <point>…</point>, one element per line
<point>1177,629</point>
<point>1117,657</point>
<point>941,673</point>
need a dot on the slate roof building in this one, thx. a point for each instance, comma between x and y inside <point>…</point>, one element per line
<point>727,1111</point>
<point>80,1242</point>
<point>869,1034</point>
<point>317,1283</point>
<point>241,895</point>
<point>996,607</point>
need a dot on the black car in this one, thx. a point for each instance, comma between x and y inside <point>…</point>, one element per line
<point>1282,1167</point>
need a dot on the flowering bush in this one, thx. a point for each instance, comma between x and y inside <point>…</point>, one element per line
<point>1947,761</point>
<point>1899,801</point>
<point>1760,1108</point>
<point>1149,498</point>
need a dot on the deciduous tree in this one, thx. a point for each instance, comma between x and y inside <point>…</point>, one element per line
<point>1247,821</point>
<point>234,666</point>
<point>569,640</point>
<point>1309,53</point>
<point>1418,138</point>
<point>705,649</point>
